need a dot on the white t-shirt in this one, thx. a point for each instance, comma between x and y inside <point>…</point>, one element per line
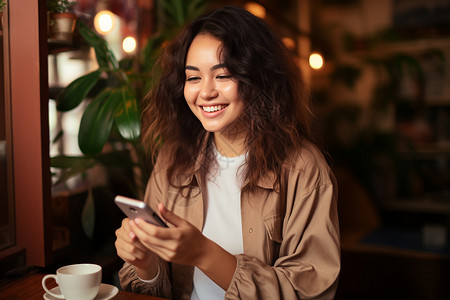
<point>223,223</point>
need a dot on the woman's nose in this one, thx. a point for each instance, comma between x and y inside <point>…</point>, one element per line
<point>208,89</point>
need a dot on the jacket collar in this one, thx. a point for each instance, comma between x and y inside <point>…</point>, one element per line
<point>267,182</point>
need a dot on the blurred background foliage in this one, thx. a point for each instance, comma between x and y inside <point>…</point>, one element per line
<point>109,130</point>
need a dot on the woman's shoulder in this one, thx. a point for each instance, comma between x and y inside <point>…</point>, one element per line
<point>309,161</point>
<point>307,153</point>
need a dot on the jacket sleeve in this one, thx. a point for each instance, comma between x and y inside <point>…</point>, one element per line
<point>128,278</point>
<point>129,281</point>
<point>308,264</point>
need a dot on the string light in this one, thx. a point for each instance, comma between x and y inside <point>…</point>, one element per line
<point>129,44</point>
<point>256,9</point>
<point>289,43</point>
<point>316,61</point>
<point>104,22</point>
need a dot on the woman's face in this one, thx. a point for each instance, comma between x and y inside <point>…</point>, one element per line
<point>210,91</point>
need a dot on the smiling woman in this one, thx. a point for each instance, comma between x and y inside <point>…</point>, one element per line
<point>248,196</point>
<point>212,93</point>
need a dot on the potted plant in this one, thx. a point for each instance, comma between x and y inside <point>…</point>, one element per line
<point>60,20</point>
<point>109,130</point>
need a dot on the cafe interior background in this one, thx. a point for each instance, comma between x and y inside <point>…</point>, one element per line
<point>379,77</point>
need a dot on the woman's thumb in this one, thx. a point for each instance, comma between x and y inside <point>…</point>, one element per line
<point>169,216</point>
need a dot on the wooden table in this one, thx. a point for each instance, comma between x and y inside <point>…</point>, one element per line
<point>30,288</point>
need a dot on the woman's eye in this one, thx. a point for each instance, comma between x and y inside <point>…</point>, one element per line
<point>190,79</point>
<point>224,77</point>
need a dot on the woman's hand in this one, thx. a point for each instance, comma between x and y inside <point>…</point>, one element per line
<point>185,244</point>
<point>182,244</point>
<point>131,250</point>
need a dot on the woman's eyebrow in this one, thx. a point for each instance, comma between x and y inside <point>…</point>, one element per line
<point>215,67</point>
<point>188,67</point>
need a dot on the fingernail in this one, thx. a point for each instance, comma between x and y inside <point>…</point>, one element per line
<point>132,235</point>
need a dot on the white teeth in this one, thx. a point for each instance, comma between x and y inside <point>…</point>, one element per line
<point>213,108</point>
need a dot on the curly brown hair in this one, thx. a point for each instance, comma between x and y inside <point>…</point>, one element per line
<point>277,113</point>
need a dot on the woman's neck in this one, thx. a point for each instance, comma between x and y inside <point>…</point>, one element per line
<point>230,146</point>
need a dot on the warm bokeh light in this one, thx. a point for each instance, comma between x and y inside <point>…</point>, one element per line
<point>289,43</point>
<point>104,21</point>
<point>256,9</point>
<point>316,61</point>
<point>129,44</point>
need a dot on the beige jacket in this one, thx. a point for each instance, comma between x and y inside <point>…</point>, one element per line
<point>291,237</point>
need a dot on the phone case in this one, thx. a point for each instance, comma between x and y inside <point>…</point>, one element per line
<point>134,208</point>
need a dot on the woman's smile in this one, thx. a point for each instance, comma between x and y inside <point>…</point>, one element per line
<point>214,108</point>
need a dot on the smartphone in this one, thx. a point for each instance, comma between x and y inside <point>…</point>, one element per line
<point>133,208</point>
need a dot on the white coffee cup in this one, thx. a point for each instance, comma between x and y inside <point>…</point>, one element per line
<point>80,281</point>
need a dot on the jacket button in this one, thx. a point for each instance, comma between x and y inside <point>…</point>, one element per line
<point>250,230</point>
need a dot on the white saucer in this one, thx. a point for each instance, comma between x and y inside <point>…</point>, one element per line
<point>105,292</point>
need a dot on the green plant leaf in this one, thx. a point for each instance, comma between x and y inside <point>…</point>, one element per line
<point>195,9</point>
<point>105,57</point>
<point>96,122</point>
<point>71,165</point>
<point>58,136</point>
<point>77,91</point>
<point>173,13</point>
<point>151,50</point>
<point>127,117</point>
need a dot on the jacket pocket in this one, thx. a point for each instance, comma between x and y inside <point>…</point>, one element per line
<point>273,226</point>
